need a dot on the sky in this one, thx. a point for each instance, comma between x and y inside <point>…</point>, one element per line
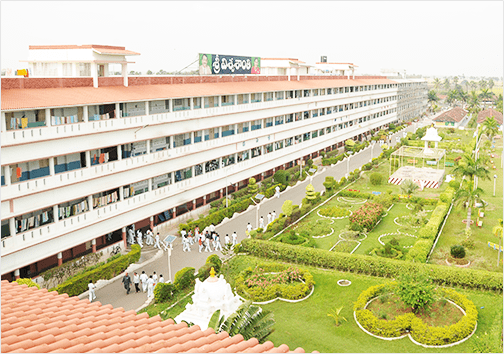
<point>429,38</point>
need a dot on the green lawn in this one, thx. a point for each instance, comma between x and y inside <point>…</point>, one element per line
<point>307,325</point>
<point>482,256</point>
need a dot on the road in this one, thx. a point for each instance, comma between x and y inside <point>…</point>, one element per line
<point>113,293</point>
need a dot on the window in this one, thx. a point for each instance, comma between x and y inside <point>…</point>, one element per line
<point>256,151</point>
<point>321,132</point>
<point>306,93</point>
<point>315,113</point>
<point>289,118</point>
<point>198,169</point>
<point>279,120</point>
<point>268,122</point>
<point>243,98</point>
<point>306,136</point>
<point>279,95</point>
<point>228,130</point>
<point>268,96</point>
<point>314,134</point>
<point>212,165</point>
<point>315,92</point>
<point>298,116</point>
<point>255,97</point>
<point>183,174</point>
<point>279,145</point>
<point>227,100</point>
<point>228,160</point>
<point>243,127</point>
<point>181,104</point>
<point>197,102</point>
<point>288,142</point>
<point>268,148</point>
<point>211,102</point>
<point>256,124</point>
<point>242,156</point>
<point>198,136</point>
<point>298,139</point>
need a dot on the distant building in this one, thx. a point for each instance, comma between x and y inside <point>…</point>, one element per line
<point>489,112</point>
<point>451,118</point>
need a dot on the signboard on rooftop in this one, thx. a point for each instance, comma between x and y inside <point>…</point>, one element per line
<point>218,64</point>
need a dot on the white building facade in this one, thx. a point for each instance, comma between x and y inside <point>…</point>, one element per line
<point>80,164</point>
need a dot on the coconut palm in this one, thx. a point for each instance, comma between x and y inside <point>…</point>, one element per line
<point>409,187</point>
<point>250,321</point>
<point>498,103</point>
<point>462,96</point>
<point>491,84</point>
<point>432,97</point>
<point>335,313</point>
<point>452,97</point>
<point>497,231</point>
<point>437,83</point>
<point>466,197</point>
<point>482,84</point>
<point>446,84</point>
<point>486,94</point>
<point>473,85</point>
<point>473,100</point>
<point>455,80</point>
<point>490,127</point>
<point>470,167</point>
<point>466,84</point>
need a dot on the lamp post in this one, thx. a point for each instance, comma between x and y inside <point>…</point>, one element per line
<point>495,179</point>
<point>169,263</point>
<point>372,147</point>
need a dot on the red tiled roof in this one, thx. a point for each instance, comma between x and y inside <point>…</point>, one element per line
<point>102,49</point>
<point>57,97</point>
<point>453,115</point>
<point>489,112</point>
<point>441,97</point>
<point>38,321</point>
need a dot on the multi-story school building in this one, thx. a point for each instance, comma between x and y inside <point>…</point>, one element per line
<point>86,154</point>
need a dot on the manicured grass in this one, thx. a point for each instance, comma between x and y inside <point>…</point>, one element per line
<point>182,299</point>
<point>482,256</point>
<point>306,324</point>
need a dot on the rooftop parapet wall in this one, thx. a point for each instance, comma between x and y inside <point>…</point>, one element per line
<point>65,82</point>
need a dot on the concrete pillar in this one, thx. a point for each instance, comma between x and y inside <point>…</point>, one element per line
<point>124,237</point>
<point>51,166</point>
<point>191,103</point>
<point>192,139</point>
<point>85,113</point>
<point>151,220</point>
<point>93,245</point>
<point>88,158</point>
<point>12,226</point>
<point>117,109</point>
<point>220,131</point>
<point>75,70</point>
<point>174,212</point>
<point>60,259</point>
<point>193,204</point>
<point>220,101</point>
<point>7,175</point>
<point>16,274</point>
<point>4,122</point>
<point>90,202</point>
<point>55,213</point>
<point>147,110</point>
<point>149,183</point>
<point>119,152</point>
<point>121,193</point>
<point>94,74</point>
<point>125,73</point>
<point>147,143</point>
<point>47,117</point>
<point>170,105</point>
<point>204,200</point>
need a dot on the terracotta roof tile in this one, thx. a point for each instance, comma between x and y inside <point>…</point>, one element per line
<point>58,323</point>
<point>57,97</point>
<point>281,349</point>
<point>453,115</point>
<point>489,112</point>
<point>260,348</point>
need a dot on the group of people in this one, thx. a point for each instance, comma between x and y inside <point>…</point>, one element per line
<point>206,240</point>
<point>270,217</point>
<point>148,282</point>
<point>150,239</point>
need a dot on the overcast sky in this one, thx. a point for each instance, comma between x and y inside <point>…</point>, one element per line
<point>441,38</point>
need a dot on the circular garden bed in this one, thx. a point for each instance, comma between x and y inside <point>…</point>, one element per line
<point>268,282</point>
<point>334,212</point>
<point>450,321</point>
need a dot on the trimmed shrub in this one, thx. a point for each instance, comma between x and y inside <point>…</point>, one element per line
<point>374,266</point>
<point>28,282</point>
<point>78,284</point>
<point>454,184</point>
<point>252,186</point>
<point>282,177</point>
<point>366,217</point>
<point>163,292</point>
<point>334,212</point>
<point>457,251</point>
<point>184,278</point>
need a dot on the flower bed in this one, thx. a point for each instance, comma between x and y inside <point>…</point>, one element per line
<point>269,281</point>
<point>412,326</point>
<point>366,217</point>
<point>334,212</point>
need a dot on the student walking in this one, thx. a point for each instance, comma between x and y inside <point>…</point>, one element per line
<point>269,218</point>
<point>154,277</point>
<point>217,244</point>
<point>136,281</point>
<point>186,245</point>
<point>200,242</point>
<point>277,192</point>
<point>261,222</point>
<point>227,240</point>
<point>150,287</point>
<point>143,279</point>
<point>131,236</point>
<point>139,238</point>
<point>273,216</point>
<point>150,240</point>
<point>207,245</point>
<point>91,288</point>
<point>235,238</point>
<point>126,281</point>
<point>161,279</point>
<point>249,228</point>
<point>156,244</point>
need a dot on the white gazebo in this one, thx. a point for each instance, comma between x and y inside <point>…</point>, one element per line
<point>431,135</point>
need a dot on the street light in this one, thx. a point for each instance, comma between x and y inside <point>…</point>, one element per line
<point>495,179</point>
<point>260,197</point>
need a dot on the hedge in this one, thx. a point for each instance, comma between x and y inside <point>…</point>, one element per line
<point>28,282</point>
<point>78,284</point>
<point>374,266</point>
<point>163,292</point>
<point>184,278</point>
<point>419,331</point>
<point>212,261</point>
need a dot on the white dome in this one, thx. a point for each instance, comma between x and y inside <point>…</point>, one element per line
<point>431,135</point>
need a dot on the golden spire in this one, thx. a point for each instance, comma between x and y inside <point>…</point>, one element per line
<point>212,272</point>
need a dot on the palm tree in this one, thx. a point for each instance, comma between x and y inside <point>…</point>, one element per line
<point>473,85</point>
<point>498,103</point>
<point>491,83</point>
<point>462,96</point>
<point>482,83</point>
<point>466,84</point>
<point>470,167</point>
<point>335,313</point>
<point>455,80</point>
<point>490,127</point>
<point>466,197</point>
<point>446,84</point>
<point>486,94</point>
<point>409,187</point>
<point>437,83</point>
<point>250,321</point>
<point>452,97</point>
<point>497,231</point>
<point>432,97</point>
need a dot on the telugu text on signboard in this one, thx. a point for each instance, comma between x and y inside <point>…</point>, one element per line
<point>218,64</point>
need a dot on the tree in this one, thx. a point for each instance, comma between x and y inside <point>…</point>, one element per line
<point>466,84</point>
<point>287,207</point>
<point>490,127</point>
<point>466,197</point>
<point>149,72</point>
<point>416,290</point>
<point>409,187</point>
<point>252,186</point>
<point>498,103</point>
<point>470,167</point>
<point>329,183</point>
<point>437,83</point>
<point>486,94</point>
<point>482,84</point>
<point>446,84</point>
<point>281,176</point>
<point>452,97</point>
<point>455,80</point>
<point>497,231</point>
<point>310,192</point>
<point>473,101</point>
<point>432,97</point>
<point>473,85</point>
<point>249,320</point>
<point>462,96</point>
<point>491,84</point>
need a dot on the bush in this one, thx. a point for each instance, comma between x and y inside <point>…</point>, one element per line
<point>252,186</point>
<point>281,177</point>
<point>329,183</point>
<point>374,266</point>
<point>454,184</point>
<point>457,251</point>
<point>334,212</point>
<point>385,200</point>
<point>366,217</point>
<point>416,291</point>
<point>163,292</point>
<point>184,278</point>
<point>78,284</point>
<point>28,282</point>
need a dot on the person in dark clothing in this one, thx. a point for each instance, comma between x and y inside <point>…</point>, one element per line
<point>127,282</point>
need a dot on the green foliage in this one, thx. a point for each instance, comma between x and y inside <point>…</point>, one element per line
<point>329,183</point>
<point>374,266</point>
<point>252,186</point>
<point>310,192</point>
<point>163,292</point>
<point>184,278</point>
<point>409,187</point>
<point>28,282</point>
<point>78,284</point>
<point>334,212</point>
<point>115,256</point>
<point>335,314</point>
<point>376,179</point>
<point>385,200</point>
<point>457,251</point>
<point>282,177</point>
<point>212,261</point>
<point>416,291</point>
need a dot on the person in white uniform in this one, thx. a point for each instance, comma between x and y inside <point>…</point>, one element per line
<point>150,287</point>
<point>261,222</point>
<point>91,288</point>
<point>269,218</point>
<point>144,278</point>
<point>235,238</point>
<point>156,244</point>
<point>150,240</point>
<point>139,238</point>
<point>273,216</point>
<point>227,240</point>
<point>217,242</point>
<point>207,245</point>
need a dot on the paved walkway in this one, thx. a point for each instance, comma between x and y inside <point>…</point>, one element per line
<point>153,260</point>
